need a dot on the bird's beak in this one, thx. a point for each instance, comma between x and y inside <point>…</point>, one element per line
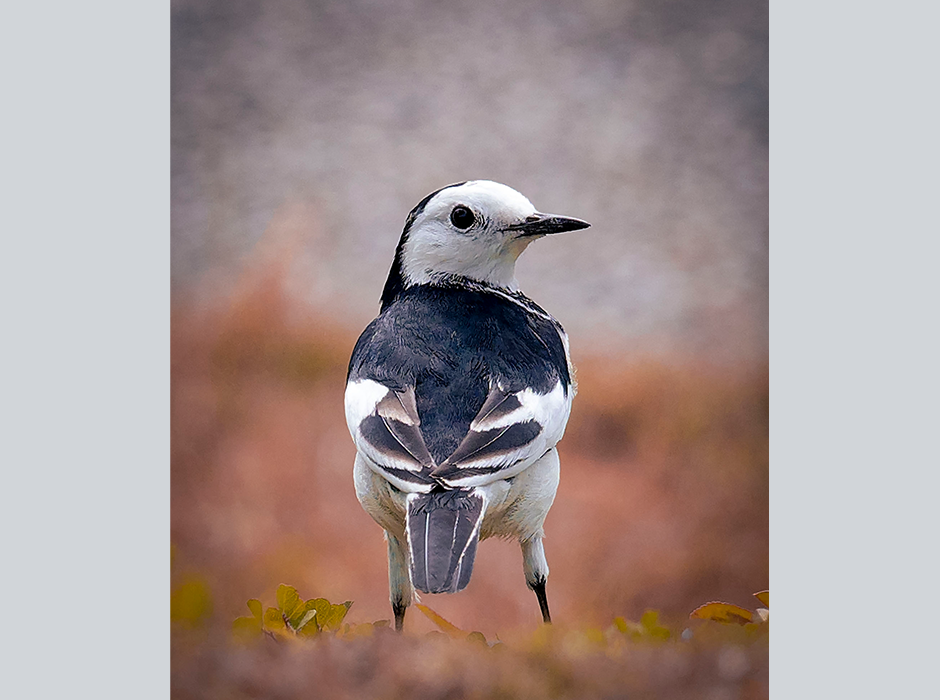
<point>544,224</point>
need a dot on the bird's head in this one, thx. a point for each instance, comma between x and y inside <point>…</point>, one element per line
<point>473,229</point>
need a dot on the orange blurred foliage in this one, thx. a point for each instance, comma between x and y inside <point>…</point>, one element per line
<point>663,501</point>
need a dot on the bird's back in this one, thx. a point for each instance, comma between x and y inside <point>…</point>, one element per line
<point>452,344</point>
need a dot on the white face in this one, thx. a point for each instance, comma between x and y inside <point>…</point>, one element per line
<point>463,231</point>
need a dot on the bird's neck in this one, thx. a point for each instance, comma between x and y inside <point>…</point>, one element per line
<point>499,274</point>
<point>494,271</point>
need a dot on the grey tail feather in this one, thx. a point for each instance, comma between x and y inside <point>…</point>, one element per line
<point>443,529</point>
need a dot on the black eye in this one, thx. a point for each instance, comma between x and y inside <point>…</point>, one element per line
<point>461,217</point>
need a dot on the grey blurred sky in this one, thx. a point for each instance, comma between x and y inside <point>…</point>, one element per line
<point>332,119</point>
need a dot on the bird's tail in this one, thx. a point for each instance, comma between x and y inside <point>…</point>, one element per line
<point>443,529</point>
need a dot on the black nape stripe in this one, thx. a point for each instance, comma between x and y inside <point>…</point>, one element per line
<point>395,283</point>
<point>419,207</point>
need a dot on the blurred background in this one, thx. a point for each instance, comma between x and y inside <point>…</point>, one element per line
<point>302,135</point>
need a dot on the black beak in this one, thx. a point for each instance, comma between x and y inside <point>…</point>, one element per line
<point>543,224</point>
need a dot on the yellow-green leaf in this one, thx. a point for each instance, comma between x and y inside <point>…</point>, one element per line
<point>310,629</point>
<point>274,620</point>
<point>308,618</point>
<point>333,619</point>
<point>628,628</point>
<point>322,606</point>
<point>723,612</point>
<point>246,628</point>
<point>256,608</point>
<point>651,626</point>
<point>191,603</point>
<point>288,600</point>
<point>448,628</point>
<point>301,610</point>
<point>647,628</point>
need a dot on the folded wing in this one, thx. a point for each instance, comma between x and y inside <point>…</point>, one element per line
<point>511,430</point>
<point>386,428</point>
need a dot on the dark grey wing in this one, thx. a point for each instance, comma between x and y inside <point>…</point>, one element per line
<point>399,417</point>
<point>511,431</point>
<point>386,428</point>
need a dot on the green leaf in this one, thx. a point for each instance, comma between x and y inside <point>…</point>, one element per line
<point>322,607</point>
<point>310,629</point>
<point>333,619</point>
<point>256,609</point>
<point>308,618</point>
<point>329,617</point>
<point>288,600</point>
<point>274,621</point>
<point>301,611</point>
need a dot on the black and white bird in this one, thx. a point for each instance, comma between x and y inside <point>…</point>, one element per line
<point>458,392</point>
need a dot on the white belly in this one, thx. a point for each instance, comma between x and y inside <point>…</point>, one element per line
<point>517,508</point>
<point>514,508</point>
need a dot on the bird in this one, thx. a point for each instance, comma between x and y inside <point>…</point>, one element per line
<point>458,392</point>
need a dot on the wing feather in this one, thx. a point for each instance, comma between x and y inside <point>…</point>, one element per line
<point>509,432</point>
<point>385,426</point>
<point>399,413</point>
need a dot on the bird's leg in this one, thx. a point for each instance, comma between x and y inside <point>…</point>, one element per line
<point>539,589</point>
<point>399,582</point>
<point>536,572</point>
<point>399,610</point>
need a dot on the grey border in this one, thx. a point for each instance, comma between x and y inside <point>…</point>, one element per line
<point>853,348</point>
<point>86,311</point>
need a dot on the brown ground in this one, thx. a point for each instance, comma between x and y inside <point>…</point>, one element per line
<point>663,501</point>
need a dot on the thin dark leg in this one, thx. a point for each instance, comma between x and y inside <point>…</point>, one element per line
<point>399,610</point>
<point>539,589</point>
<point>399,584</point>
